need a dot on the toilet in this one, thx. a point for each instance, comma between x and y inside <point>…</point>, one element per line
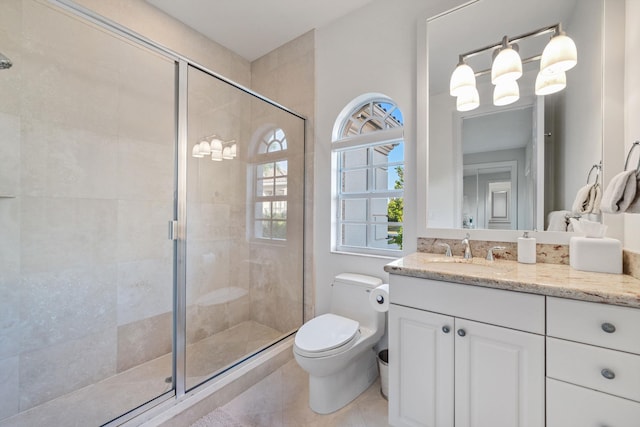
<point>336,348</point>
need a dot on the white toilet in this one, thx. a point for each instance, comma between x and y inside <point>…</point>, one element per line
<point>336,348</point>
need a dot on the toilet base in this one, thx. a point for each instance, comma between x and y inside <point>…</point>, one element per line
<point>332,392</point>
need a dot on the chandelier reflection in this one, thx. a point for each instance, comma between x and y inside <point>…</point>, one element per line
<point>215,148</point>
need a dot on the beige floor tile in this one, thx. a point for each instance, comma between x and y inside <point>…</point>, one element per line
<point>282,399</point>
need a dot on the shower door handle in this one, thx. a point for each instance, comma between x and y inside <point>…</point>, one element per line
<point>173,230</point>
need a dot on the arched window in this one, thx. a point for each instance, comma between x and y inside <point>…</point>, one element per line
<point>270,178</point>
<point>368,159</point>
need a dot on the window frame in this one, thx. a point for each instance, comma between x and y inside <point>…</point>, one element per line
<point>266,157</point>
<point>366,140</point>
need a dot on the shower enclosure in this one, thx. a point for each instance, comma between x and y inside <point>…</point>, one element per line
<point>151,220</point>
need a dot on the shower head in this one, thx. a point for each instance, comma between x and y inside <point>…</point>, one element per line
<point>5,62</point>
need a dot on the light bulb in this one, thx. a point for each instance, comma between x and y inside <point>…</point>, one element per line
<point>507,66</point>
<point>462,78</point>
<point>226,153</point>
<point>216,145</point>
<point>506,93</point>
<point>560,54</point>
<point>204,147</point>
<point>547,84</point>
<point>468,100</point>
<point>196,151</point>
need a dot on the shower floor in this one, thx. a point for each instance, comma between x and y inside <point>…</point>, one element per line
<point>98,403</point>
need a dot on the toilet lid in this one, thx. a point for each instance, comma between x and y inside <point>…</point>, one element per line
<point>326,332</point>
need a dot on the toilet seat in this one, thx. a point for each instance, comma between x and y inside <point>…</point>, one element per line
<point>326,335</point>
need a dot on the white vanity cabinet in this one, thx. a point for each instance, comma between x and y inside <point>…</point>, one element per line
<point>465,355</point>
<point>593,364</point>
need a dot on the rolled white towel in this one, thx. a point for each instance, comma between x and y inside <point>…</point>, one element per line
<point>582,200</point>
<point>634,207</point>
<point>557,220</point>
<point>597,199</point>
<point>620,192</point>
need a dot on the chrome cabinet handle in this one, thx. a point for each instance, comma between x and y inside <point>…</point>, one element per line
<point>461,332</point>
<point>608,374</point>
<point>608,328</point>
<point>446,329</point>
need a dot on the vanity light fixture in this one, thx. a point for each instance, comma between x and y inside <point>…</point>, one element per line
<point>218,149</point>
<point>558,56</point>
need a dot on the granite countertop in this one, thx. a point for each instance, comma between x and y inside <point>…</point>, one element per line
<point>545,279</point>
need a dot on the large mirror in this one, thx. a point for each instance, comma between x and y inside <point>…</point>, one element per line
<point>516,166</point>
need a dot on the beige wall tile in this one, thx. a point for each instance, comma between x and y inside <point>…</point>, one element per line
<point>143,340</point>
<point>9,401</point>
<point>54,371</point>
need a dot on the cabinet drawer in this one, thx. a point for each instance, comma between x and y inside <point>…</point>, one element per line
<point>592,323</point>
<point>570,405</point>
<point>584,365</point>
<point>514,310</point>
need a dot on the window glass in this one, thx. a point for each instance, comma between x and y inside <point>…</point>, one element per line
<point>270,211</point>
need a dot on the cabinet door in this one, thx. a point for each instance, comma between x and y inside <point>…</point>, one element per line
<point>420,368</point>
<point>499,378</point>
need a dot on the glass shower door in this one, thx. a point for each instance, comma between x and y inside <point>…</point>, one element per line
<point>244,225</point>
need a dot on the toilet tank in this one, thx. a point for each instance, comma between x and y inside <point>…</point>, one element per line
<point>350,298</point>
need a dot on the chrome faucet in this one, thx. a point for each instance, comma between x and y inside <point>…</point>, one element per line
<point>447,248</point>
<point>467,247</point>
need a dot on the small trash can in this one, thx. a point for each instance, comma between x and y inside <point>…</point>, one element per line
<point>383,367</point>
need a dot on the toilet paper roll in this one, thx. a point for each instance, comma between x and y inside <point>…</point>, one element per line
<point>379,298</point>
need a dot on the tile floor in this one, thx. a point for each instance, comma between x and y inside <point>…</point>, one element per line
<point>281,400</point>
<point>98,403</point>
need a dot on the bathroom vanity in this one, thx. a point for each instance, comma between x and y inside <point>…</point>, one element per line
<point>478,343</point>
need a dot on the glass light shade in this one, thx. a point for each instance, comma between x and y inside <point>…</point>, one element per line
<point>462,78</point>
<point>216,155</point>
<point>507,66</point>
<point>226,153</point>
<point>506,93</point>
<point>196,151</point>
<point>205,148</point>
<point>560,54</point>
<point>216,145</point>
<point>546,84</point>
<point>234,151</point>
<point>468,100</point>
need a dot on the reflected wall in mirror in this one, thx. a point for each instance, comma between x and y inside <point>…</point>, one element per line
<point>551,141</point>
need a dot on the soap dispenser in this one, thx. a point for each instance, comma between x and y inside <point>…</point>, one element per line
<point>527,249</point>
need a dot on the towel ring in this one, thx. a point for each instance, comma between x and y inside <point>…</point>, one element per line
<point>626,163</point>
<point>597,168</point>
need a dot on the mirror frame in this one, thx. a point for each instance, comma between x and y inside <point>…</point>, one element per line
<point>612,129</point>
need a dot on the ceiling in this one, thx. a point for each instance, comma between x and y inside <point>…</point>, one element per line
<point>253,28</point>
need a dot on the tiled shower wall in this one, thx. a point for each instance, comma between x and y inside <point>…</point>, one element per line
<point>287,75</point>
